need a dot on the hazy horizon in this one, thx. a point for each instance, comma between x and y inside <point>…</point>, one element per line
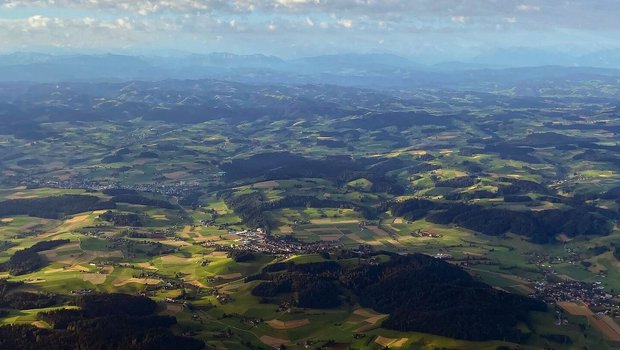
<point>421,30</point>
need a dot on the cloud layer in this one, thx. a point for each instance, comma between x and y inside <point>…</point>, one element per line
<point>301,27</point>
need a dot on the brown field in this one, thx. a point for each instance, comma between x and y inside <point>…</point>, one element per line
<point>186,230</point>
<point>52,254</point>
<point>219,254</point>
<point>78,268</point>
<point>277,324</point>
<point>21,195</point>
<point>385,342</point>
<point>94,278</point>
<point>174,243</point>
<point>331,238</point>
<point>77,219</point>
<point>329,229</point>
<point>370,316</point>
<point>394,242</point>
<point>146,281</point>
<point>377,230</point>
<point>375,319</point>
<point>70,224</point>
<point>604,324</point>
<point>201,239</point>
<point>273,341</point>
<point>197,284</point>
<point>147,266</point>
<point>400,342</point>
<point>356,238</point>
<point>393,228</point>
<point>365,312</point>
<point>230,276</point>
<point>266,184</point>
<point>40,324</point>
<point>176,175</point>
<point>285,229</point>
<point>332,221</point>
<point>78,258</point>
<point>173,308</point>
<point>356,318</point>
<point>173,259</point>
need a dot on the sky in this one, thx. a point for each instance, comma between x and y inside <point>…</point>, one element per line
<point>446,29</point>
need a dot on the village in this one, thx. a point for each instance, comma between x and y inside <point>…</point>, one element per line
<point>260,241</point>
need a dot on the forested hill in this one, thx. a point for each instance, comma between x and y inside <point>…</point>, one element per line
<point>420,293</point>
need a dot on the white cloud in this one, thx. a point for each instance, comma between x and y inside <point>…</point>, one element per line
<point>528,8</point>
<point>38,21</point>
<point>458,19</point>
<point>346,23</point>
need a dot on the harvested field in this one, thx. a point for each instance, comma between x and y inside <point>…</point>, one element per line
<point>197,284</point>
<point>40,324</point>
<point>173,259</point>
<point>21,195</point>
<point>356,238</point>
<point>604,324</point>
<point>331,238</point>
<point>78,268</point>
<point>219,254</point>
<point>176,175</point>
<point>393,228</point>
<point>77,219</point>
<point>375,319</point>
<point>385,342</point>
<point>378,230</point>
<point>575,309</point>
<point>174,243</point>
<point>370,316</point>
<point>332,221</point>
<point>266,184</point>
<point>400,342</point>
<point>147,266</point>
<point>107,269</point>
<point>277,324</point>
<point>323,229</point>
<point>394,242</point>
<point>145,281</point>
<point>365,312</point>
<point>173,308</point>
<point>607,326</point>
<point>230,276</point>
<point>186,231</point>
<point>94,278</point>
<point>285,229</point>
<point>273,341</point>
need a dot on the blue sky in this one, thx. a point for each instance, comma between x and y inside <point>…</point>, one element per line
<point>431,29</point>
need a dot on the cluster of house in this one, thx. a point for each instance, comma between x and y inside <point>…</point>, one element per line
<point>261,242</point>
<point>424,233</point>
<point>546,260</point>
<point>177,189</point>
<point>593,294</point>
